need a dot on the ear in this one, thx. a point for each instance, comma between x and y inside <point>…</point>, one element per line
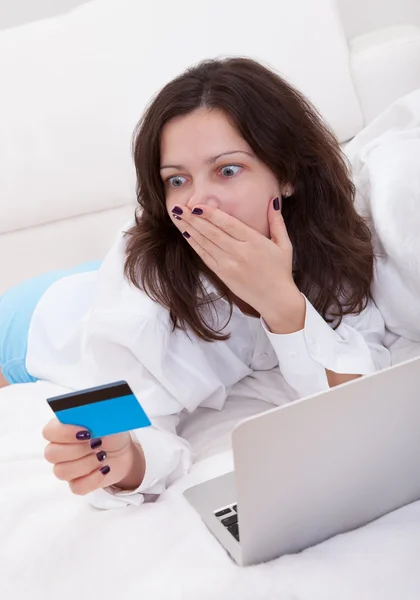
<point>287,191</point>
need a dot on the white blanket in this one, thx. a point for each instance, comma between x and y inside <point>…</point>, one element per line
<point>54,546</point>
<point>386,168</point>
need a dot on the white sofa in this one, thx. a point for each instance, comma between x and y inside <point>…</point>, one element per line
<point>73,88</point>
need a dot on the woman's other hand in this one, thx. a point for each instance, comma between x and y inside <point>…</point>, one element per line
<point>257,269</point>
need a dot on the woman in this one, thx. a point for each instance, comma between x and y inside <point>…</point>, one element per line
<point>247,254</point>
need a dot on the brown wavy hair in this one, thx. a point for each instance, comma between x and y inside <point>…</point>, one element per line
<point>333,255</point>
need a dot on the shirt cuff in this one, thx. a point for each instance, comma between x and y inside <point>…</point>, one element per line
<point>167,458</point>
<point>305,355</point>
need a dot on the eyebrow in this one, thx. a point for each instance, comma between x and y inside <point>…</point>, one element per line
<point>209,161</point>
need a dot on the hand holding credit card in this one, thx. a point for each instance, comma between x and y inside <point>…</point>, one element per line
<point>103,410</point>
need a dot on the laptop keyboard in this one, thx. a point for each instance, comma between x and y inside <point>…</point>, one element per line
<point>229,518</point>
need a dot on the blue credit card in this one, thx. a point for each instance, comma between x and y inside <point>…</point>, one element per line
<point>103,410</point>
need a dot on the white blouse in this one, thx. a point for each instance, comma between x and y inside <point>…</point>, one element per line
<point>94,328</point>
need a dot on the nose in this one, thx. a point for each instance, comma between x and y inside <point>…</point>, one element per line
<point>203,194</point>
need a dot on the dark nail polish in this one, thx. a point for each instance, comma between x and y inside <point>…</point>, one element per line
<point>186,234</point>
<point>105,470</point>
<point>197,211</point>
<point>95,443</point>
<point>83,435</point>
<point>276,204</point>
<point>177,210</point>
<point>101,456</point>
<point>177,218</point>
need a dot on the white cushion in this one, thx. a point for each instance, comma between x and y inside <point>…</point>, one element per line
<point>73,88</point>
<point>58,245</point>
<point>385,65</point>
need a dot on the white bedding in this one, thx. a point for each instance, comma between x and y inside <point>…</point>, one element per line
<point>53,545</point>
<point>385,159</point>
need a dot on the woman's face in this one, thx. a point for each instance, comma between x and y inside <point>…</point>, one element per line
<point>204,160</point>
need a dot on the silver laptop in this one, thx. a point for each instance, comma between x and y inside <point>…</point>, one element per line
<point>317,467</point>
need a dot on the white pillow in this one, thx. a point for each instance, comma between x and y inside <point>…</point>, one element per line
<point>385,159</point>
<point>73,88</point>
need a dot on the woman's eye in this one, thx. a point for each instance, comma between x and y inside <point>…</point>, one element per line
<point>230,170</point>
<point>175,181</point>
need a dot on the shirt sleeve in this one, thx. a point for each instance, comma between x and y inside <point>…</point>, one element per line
<point>355,347</point>
<point>168,457</point>
<point>168,374</point>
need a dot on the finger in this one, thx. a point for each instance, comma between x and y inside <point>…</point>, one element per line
<point>202,249</point>
<point>208,251</point>
<point>210,230</point>
<point>93,481</point>
<point>278,230</point>
<point>229,225</point>
<point>74,469</point>
<point>211,239</point>
<point>55,431</point>
<point>58,453</point>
